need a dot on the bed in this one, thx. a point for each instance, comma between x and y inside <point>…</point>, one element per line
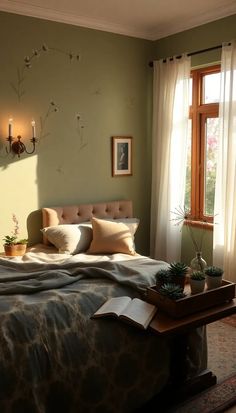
<point>54,358</point>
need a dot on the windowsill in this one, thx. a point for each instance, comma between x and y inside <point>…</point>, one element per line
<point>199,224</point>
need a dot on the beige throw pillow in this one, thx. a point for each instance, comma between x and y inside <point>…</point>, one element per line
<point>110,237</point>
<point>131,223</point>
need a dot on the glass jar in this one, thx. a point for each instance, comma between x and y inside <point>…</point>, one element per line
<point>198,263</point>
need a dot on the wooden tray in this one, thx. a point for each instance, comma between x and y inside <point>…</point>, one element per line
<point>192,303</point>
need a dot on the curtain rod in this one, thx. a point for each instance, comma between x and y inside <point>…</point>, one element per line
<point>194,53</point>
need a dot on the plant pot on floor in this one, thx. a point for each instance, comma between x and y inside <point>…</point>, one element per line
<point>15,250</point>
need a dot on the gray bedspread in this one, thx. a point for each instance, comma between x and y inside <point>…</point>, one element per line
<point>54,358</point>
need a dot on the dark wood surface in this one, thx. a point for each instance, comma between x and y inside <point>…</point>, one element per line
<point>177,329</point>
<point>191,303</point>
<point>166,325</point>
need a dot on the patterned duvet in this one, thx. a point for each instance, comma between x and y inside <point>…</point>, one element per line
<point>54,358</point>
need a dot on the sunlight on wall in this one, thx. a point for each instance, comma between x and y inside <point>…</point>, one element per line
<point>19,195</point>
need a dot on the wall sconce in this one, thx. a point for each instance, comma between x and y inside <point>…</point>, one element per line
<point>18,147</point>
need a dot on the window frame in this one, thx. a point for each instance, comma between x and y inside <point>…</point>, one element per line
<point>198,113</point>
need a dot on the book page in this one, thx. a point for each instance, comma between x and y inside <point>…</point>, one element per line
<point>114,306</point>
<point>139,312</point>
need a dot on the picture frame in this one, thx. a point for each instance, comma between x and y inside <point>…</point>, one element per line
<point>121,155</point>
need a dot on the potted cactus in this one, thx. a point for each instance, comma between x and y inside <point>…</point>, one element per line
<point>172,291</point>
<point>162,277</point>
<point>178,272</point>
<point>214,276</point>
<point>197,282</point>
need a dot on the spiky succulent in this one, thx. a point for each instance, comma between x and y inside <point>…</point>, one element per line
<point>163,275</point>
<point>178,269</point>
<point>198,275</point>
<point>213,271</point>
<point>173,291</point>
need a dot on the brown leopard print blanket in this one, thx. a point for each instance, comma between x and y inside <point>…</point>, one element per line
<point>55,359</point>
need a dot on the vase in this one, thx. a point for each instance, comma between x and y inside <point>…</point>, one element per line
<point>15,250</point>
<point>198,263</point>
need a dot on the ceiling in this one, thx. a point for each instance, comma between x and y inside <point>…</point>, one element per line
<point>148,19</point>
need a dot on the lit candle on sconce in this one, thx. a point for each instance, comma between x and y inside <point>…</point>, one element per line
<point>33,128</point>
<point>15,145</point>
<point>10,127</point>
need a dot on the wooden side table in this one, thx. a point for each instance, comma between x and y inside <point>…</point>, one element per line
<point>165,325</point>
<point>177,329</point>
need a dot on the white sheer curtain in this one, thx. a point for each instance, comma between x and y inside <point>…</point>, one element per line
<point>224,239</point>
<point>169,154</point>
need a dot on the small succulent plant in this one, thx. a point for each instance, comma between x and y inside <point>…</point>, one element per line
<point>163,276</point>
<point>213,271</point>
<point>198,275</point>
<point>172,291</point>
<point>178,269</point>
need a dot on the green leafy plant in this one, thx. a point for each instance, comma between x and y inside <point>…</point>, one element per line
<point>178,269</point>
<point>198,275</point>
<point>13,239</point>
<point>172,291</point>
<point>213,271</point>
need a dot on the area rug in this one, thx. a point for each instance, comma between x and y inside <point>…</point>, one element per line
<point>216,399</point>
<point>221,338</point>
<point>230,320</point>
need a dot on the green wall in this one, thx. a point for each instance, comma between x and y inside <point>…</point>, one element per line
<point>111,88</point>
<point>202,37</point>
<point>72,163</point>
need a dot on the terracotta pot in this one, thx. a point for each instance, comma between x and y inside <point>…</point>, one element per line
<point>15,250</point>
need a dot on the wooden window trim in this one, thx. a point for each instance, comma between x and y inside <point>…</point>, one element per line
<point>198,113</point>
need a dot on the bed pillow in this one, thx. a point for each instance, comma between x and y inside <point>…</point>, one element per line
<point>70,238</point>
<point>111,237</point>
<point>132,223</point>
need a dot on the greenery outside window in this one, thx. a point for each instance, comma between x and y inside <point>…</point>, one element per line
<point>202,143</point>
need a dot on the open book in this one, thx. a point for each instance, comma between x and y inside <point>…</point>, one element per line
<point>135,311</point>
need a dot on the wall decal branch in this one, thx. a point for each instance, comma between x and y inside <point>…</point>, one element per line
<point>52,108</point>
<point>18,86</point>
<point>80,132</point>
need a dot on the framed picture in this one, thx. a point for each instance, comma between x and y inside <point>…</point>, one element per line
<point>121,156</point>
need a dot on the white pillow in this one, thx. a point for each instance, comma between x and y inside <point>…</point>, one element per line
<point>70,238</point>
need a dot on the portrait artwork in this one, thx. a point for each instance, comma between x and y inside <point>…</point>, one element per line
<point>121,156</point>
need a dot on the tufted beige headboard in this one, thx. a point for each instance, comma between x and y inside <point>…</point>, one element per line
<point>76,214</point>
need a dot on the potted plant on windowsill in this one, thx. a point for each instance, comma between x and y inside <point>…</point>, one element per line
<point>12,245</point>
<point>214,276</point>
<point>197,282</point>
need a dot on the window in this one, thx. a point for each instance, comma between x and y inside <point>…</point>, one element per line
<point>202,143</point>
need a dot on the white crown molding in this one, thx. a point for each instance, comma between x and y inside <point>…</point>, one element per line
<point>169,28</point>
<point>62,17</point>
<point>198,20</point>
